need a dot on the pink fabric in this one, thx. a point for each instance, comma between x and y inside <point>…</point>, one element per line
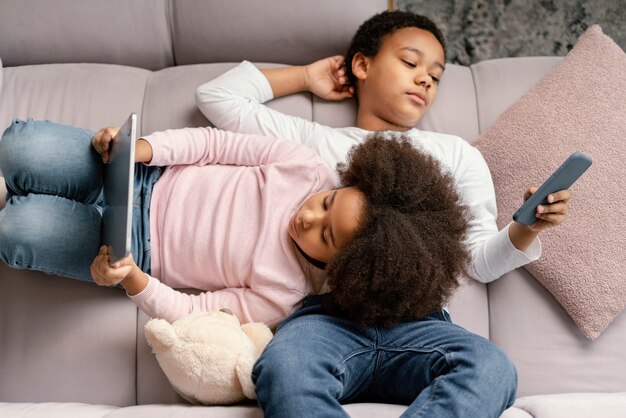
<point>219,217</point>
<point>580,106</point>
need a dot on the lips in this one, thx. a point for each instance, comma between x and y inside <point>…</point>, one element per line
<point>417,97</point>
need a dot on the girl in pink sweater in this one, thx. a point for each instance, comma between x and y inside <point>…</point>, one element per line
<point>253,223</point>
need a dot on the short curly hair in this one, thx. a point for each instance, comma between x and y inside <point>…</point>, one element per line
<point>368,38</point>
<point>409,253</point>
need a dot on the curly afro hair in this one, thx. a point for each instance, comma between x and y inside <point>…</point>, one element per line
<point>409,253</point>
<point>368,38</point>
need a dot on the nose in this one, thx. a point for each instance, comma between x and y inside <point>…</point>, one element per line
<point>423,79</point>
<point>310,218</point>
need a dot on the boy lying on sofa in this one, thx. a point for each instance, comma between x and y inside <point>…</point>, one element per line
<point>322,355</point>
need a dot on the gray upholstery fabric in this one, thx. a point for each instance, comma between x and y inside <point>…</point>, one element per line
<point>500,82</point>
<point>65,341</point>
<point>55,410</point>
<point>286,31</point>
<point>114,31</point>
<point>152,384</point>
<point>538,335</point>
<point>87,95</point>
<point>170,100</point>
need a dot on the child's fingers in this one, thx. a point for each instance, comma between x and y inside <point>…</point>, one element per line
<point>556,208</point>
<point>102,142</point>
<point>529,192</point>
<point>126,261</point>
<point>554,218</point>
<point>561,195</point>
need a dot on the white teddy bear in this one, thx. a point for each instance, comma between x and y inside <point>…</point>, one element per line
<point>208,357</point>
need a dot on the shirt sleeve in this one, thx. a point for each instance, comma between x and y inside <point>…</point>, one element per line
<point>204,146</point>
<point>235,101</point>
<point>269,306</point>
<point>493,253</point>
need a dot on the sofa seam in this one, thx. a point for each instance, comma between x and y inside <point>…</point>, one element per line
<point>170,24</point>
<point>471,68</point>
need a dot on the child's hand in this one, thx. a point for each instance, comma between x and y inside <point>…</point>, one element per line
<point>327,79</point>
<point>552,214</point>
<point>105,275</point>
<point>102,142</point>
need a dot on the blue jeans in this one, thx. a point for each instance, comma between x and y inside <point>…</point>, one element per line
<point>316,362</point>
<point>52,219</point>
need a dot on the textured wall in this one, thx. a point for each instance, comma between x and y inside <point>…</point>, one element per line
<point>484,29</point>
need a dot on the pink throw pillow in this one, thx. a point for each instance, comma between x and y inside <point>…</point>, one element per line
<point>580,106</point>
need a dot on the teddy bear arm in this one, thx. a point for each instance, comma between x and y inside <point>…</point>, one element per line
<point>259,333</point>
<point>160,334</point>
<point>244,374</point>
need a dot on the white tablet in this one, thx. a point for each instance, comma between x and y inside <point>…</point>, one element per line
<point>119,178</point>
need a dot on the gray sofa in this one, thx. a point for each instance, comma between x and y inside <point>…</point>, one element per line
<point>74,349</point>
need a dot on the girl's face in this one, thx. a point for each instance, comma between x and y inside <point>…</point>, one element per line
<point>326,221</point>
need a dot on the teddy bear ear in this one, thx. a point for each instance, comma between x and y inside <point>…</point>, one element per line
<point>160,334</point>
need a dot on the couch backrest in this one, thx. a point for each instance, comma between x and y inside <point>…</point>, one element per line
<point>155,34</point>
<point>135,33</point>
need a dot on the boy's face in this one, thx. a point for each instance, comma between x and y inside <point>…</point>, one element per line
<point>326,221</point>
<point>398,85</point>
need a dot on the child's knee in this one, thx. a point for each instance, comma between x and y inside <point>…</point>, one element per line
<point>17,239</point>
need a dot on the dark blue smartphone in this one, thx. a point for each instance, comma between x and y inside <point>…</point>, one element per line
<point>563,178</point>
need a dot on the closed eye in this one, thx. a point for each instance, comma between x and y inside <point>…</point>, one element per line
<point>408,63</point>
<point>435,79</point>
<point>325,207</point>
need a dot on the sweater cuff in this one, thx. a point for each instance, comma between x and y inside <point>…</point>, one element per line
<point>153,140</point>
<point>532,253</point>
<point>146,294</point>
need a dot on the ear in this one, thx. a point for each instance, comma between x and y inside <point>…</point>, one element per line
<point>160,334</point>
<point>360,65</point>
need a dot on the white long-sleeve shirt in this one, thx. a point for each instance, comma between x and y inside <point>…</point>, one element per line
<point>235,101</point>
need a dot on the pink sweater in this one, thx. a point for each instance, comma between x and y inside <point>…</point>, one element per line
<point>218,223</point>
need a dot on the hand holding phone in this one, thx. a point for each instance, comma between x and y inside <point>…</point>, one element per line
<point>563,178</point>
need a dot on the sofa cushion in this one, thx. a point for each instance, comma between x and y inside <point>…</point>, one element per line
<point>65,341</point>
<point>550,353</point>
<point>54,410</point>
<point>575,405</point>
<point>61,31</point>
<point>170,97</point>
<point>86,95</point>
<point>579,106</point>
<point>286,31</point>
